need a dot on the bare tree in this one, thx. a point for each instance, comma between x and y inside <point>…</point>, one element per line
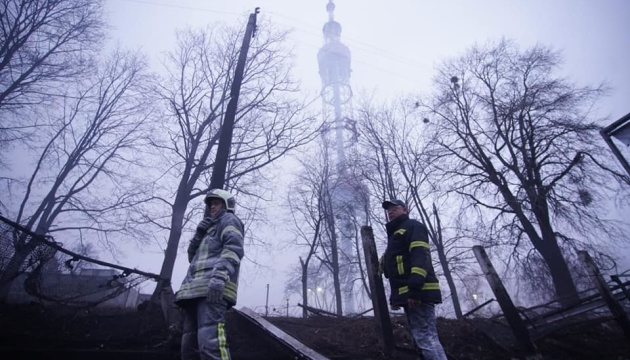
<point>43,45</point>
<point>89,145</point>
<point>307,225</point>
<point>520,145</point>
<point>269,123</point>
<point>322,200</point>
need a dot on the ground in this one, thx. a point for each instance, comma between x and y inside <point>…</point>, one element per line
<point>47,334</point>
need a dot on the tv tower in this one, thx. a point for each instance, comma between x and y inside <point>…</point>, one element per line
<point>347,194</point>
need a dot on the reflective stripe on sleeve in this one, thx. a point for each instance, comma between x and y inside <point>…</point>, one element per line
<point>426,286</point>
<point>229,254</point>
<point>431,286</point>
<point>231,228</point>
<point>414,244</point>
<point>418,270</point>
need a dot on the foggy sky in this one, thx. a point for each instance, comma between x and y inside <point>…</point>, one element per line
<point>395,46</point>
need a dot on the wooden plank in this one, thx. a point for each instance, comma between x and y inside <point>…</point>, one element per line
<point>318,311</point>
<point>615,307</point>
<point>302,351</point>
<point>379,301</point>
<point>507,306</point>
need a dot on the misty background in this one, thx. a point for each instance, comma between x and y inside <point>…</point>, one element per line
<point>398,51</point>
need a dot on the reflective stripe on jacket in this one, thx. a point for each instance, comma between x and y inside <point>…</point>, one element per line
<point>407,263</point>
<point>221,249</point>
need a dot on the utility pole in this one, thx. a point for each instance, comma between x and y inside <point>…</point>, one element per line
<point>267,302</point>
<point>164,291</point>
<point>225,140</point>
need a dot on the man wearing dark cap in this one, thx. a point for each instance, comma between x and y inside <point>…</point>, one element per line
<point>414,286</point>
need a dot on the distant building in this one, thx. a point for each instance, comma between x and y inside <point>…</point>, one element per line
<point>99,287</point>
<point>616,135</point>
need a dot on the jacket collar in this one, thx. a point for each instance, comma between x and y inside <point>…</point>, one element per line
<point>394,224</point>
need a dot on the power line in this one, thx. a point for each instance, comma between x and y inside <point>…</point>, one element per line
<point>366,63</point>
<point>353,44</point>
<point>348,40</point>
<point>180,7</point>
<point>356,44</point>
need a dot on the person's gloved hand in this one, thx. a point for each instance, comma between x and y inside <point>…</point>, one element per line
<point>381,266</point>
<point>204,225</point>
<point>191,255</point>
<point>192,247</point>
<point>215,289</point>
<point>216,285</point>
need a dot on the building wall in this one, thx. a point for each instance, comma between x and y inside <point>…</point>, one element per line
<point>87,287</point>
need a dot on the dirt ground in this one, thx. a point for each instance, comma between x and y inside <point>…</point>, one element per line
<point>44,333</point>
<point>462,340</point>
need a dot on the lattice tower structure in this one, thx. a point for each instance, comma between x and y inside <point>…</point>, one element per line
<point>339,134</point>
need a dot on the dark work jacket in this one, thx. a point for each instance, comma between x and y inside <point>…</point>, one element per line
<point>220,249</point>
<point>407,263</point>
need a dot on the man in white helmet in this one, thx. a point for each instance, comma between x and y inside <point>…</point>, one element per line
<point>210,286</point>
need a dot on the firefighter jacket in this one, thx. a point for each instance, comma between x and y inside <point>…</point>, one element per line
<point>220,249</point>
<point>407,263</point>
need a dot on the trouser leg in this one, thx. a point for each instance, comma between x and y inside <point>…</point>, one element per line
<point>190,346</point>
<point>423,328</point>
<point>211,331</point>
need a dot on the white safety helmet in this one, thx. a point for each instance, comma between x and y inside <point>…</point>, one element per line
<point>228,199</point>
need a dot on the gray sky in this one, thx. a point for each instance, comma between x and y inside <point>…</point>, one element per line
<point>395,46</point>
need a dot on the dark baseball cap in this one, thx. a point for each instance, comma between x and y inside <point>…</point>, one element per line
<point>395,202</point>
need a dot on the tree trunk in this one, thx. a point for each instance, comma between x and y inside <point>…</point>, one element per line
<point>450,282</point>
<point>170,255</point>
<point>173,242</point>
<point>304,288</point>
<point>23,249</point>
<point>439,246</point>
<point>335,271</point>
<point>547,246</point>
<point>12,270</point>
<point>330,225</point>
<point>566,292</point>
